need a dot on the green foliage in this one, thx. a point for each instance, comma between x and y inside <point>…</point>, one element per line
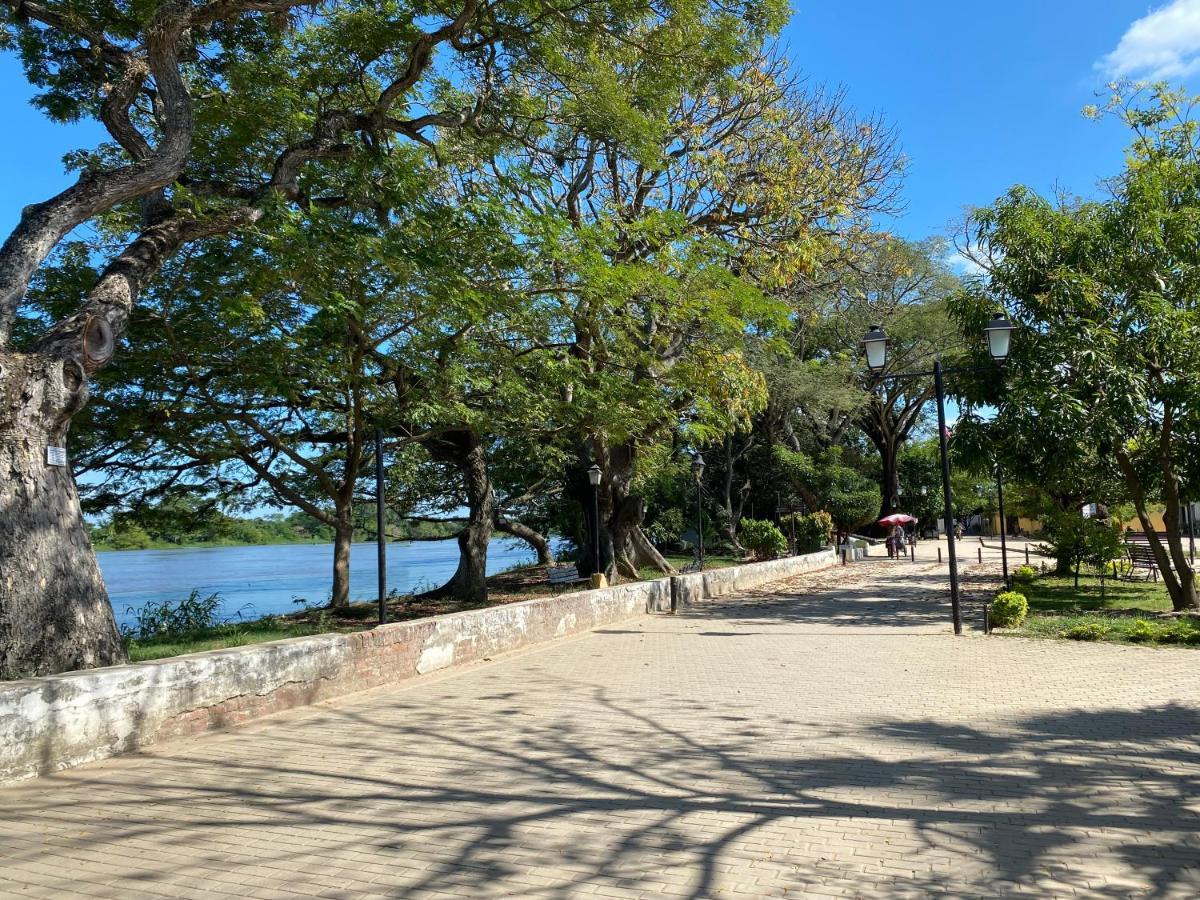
<point>813,530</point>
<point>1073,539</point>
<point>848,496</point>
<point>1009,609</point>
<point>166,619</point>
<point>1141,631</point>
<point>1024,574</point>
<point>1184,631</point>
<point>667,526</point>
<point>1089,631</point>
<point>1100,388</point>
<point>762,538</point>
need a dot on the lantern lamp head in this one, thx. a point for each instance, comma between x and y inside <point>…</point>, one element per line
<point>999,335</point>
<point>875,343</point>
<point>594,475</point>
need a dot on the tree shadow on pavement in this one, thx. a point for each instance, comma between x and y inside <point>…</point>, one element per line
<point>411,799</point>
<point>895,596</point>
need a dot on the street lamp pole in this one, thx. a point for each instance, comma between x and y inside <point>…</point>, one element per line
<point>947,499</point>
<point>594,480</point>
<point>1003,523</point>
<point>380,539</point>
<point>698,469</point>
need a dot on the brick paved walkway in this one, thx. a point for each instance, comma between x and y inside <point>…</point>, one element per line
<point>786,744</point>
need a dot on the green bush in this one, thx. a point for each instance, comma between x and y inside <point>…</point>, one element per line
<point>1009,609</point>
<point>813,531</point>
<point>1024,574</point>
<point>1182,632</point>
<point>166,619</point>
<point>1141,631</point>
<point>1073,539</point>
<point>666,527</point>
<point>762,538</point>
<point>1088,631</point>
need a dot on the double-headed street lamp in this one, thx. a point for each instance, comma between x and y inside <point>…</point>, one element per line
<point>999,337</point>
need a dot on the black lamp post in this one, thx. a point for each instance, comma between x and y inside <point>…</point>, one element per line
<point>380,537</point>
<point>875,343</point>
<point>698,471</point>
<point>1003,524</point>
<point>593,474</point>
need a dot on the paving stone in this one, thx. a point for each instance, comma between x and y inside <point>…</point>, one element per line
<point>823,737</point>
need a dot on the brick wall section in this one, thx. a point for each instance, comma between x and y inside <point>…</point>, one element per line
<point>53,723</point>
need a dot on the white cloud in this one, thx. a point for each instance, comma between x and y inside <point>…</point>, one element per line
<point>1164,43</point>
<point>960,261</point>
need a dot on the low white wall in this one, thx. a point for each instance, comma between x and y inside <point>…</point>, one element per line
<point>60,721</point>
<point>691,589</point>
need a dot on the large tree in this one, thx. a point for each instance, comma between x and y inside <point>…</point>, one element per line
<point>1105,294</point>
<point>224,116</point>
<point>680,221</point>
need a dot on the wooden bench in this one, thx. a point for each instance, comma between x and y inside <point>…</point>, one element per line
<point>1141,559</point>
<point>563,575</point>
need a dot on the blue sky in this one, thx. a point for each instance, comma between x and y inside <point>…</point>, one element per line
<point>987,95</point>
<point>984,95</point>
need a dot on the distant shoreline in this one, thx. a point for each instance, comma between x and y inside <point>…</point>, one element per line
<point>221,545</point>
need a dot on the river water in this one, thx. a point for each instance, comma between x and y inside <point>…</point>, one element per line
<point>257,581</point>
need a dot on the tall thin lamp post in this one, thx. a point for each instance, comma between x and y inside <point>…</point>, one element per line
<point>1003,523</point>
<point>594,480</point>
<point>875,343</point>
<point>380,538</point>
<point>698,471</point>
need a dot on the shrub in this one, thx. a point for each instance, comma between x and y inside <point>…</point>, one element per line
<point>1182,632</point>
<point>1009,609</point>
<point>1141,631</point>
<point>813,531</point>
<point>666,528</point>
<point>1088,631</point>
<point>166,619</point>
<point>1024,574</point>
<point>1073,539</point>
<point>762,538</point>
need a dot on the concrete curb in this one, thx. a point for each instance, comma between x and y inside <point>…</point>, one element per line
<point>61,721</point>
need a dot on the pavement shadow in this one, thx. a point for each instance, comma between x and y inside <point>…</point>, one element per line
<point>892,595</point>
<point>605,793</point>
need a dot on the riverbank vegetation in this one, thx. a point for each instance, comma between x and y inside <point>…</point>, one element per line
<point>183,522</point>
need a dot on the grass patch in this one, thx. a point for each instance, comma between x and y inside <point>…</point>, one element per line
<point>1124,613</point>
<point>218,638</point>
<point>1057,594</point>
<point>710,562</point>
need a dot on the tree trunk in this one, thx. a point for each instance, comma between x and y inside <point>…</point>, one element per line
<point>577,486</point>
<point>631,549</point>
<point>463,450</point>
<point>1179,579</point>
<point>732,504</point>
<point>889,482</point>
<point>541,546</point>
<point>343,538</point>
<point>55,613</point>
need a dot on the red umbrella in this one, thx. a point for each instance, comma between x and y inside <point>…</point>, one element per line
<point>898,519</point>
